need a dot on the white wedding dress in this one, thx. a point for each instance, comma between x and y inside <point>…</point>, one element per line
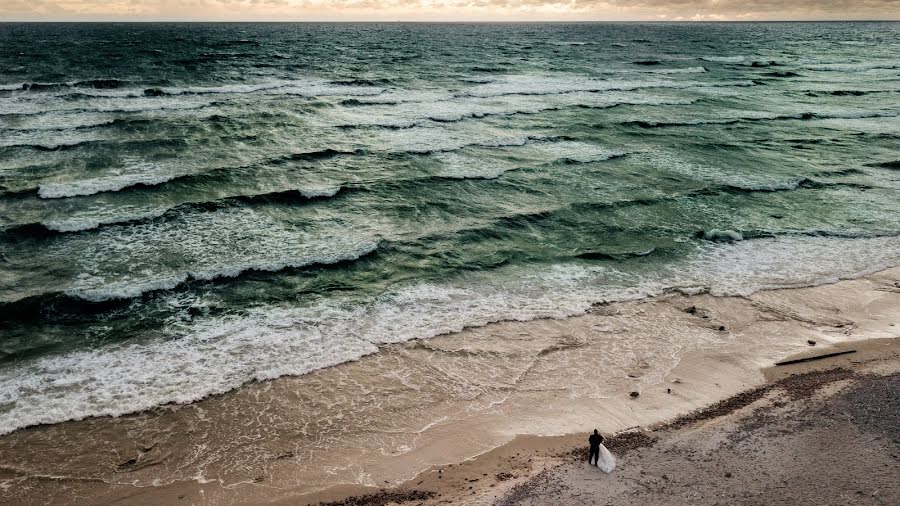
<point>606,462</point>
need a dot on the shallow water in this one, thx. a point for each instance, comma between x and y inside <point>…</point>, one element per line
<point>185,208</point>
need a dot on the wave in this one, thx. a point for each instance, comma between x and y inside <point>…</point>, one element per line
<point>103,104</point>
<point>849,93</point>
<point>144,175</point>
<point>523,87</point>
<point>457,166</point>
<point>782,74</point>
<point>338,251</point>
<point>720,179</point>
<point>840,172</point>
<point>129,291</point>
<point>723,59</point>
<point>429,140</point>
<point>93,221</point>
<point>114,261</point>
<point>555,85</point>
<point>789,185</point>
<point>890,164</point>
<point>647,62</point>
<point>460,165</point>
<point>854,67</point>
<point>717,235</point>
<point>727,235</point>
<point>804,116</point>
<point>111,183</point>
<point>100,84</point>
<point>303,87</point>
<point>355,102</point>
<point>44,86</point>
<point>411,115</point>
<point>568,151</point>
<point>189,225</point>
<point>616,256</point>
<point>217,353</point>
<point>323,154</point>
<point>94,143</point>
<point>363,82</point>
<point>684,70</point>
<point>130,99</point>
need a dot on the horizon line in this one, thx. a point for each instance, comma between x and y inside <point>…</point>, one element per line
<point>486,21</point>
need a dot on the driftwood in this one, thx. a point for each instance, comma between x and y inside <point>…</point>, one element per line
<point>817,357</point>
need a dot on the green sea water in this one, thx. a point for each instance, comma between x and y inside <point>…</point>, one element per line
<point>188,207</point>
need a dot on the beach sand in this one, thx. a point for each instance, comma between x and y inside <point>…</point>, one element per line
<point>501,408</point>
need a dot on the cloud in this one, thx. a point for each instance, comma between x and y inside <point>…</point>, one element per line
<point>38,10</point>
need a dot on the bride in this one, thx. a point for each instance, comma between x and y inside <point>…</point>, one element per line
<point>606,462</point>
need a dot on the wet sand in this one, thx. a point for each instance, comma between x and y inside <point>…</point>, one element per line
<point>404,415</point>
<point>827,434</point>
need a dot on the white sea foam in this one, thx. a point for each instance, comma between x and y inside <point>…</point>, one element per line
<point>408,115</point>
<point>558,84</point>
<point>49,140</point>
<point>324,191</point>
<point>867,124</point>
<point>821,113</point>
<point>686,70</point>
<point>465,166</point>
<point>305,87</point>
<point>130,175</point>
<point>668,161</point>
<point>95,218</point>
<point>207,355</point>
<point>41,104</point>
<point>574,151</point>
<point>436,139</point>
<point>855,66</point>
<point>126,261</point>
<point>723,59</point>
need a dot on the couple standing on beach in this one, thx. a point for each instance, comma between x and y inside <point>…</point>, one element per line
<point>599,454</point>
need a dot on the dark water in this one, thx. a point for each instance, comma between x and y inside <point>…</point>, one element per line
<point>187,207</point>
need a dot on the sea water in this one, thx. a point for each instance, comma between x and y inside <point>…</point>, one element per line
<point>185,208</point>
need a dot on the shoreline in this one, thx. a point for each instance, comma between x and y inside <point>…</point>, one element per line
<point>528,469</point>
<point>289,440</point>
<point>509,473</point>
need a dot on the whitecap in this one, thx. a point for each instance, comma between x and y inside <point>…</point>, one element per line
<point>685,70</point>
<point>723,59</point>
<point>124,261</point>
<point>132,174</point>
<point>213,354</point>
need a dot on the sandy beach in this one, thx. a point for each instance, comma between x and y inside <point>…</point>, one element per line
<point>497,415</point>
<point>818,432</point>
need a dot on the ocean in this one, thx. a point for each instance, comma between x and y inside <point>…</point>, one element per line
<point>186,208</point>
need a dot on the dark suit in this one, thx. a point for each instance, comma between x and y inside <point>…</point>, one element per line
<point>594,441</point>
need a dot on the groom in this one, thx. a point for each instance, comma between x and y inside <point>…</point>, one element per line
<point>595,439</point>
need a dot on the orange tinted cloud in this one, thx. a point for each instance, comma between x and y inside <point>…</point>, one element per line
<point>444,10</point>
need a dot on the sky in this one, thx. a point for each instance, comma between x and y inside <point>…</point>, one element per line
<point>445,10</point>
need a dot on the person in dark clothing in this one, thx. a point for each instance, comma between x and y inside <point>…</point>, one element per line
<point>595,439</point>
